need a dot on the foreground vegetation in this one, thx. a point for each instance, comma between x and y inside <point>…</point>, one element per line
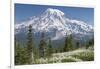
<point>45,53</point>
<point>78,55</point>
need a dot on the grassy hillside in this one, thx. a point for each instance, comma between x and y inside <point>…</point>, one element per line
<point>78,55</point>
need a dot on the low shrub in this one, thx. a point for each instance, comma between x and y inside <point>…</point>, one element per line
<point>85,56</point>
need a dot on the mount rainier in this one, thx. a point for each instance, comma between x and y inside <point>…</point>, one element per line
<point>55,25</point>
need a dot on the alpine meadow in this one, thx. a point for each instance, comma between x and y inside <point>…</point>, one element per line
<point>45,34</point>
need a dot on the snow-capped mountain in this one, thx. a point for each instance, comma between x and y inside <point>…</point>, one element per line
<point>54,24</point>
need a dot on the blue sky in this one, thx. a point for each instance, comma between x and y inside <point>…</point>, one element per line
<point>24,11</point>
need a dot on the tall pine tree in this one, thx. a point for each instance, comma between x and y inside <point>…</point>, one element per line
<point>77,44</point>
<point>30,45</point>
<point>68,43</point>
<point>20,54</point>
<point>49,49</point>
<point>42,47</point>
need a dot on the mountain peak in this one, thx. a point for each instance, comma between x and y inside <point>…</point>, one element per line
<point>54,12</point>
<point>55,25</point>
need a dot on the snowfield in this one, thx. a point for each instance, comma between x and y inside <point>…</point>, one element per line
<point>72,56</point>
<point>54,24</point>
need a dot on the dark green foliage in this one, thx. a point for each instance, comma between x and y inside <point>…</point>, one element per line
<point>90,43</point>
<point>17,53</point>
<point>36,55</point>
<point>29,54</point>
<point>55,50</point>
<point>30,45</point>
<point>26,54</point>
<point>49,49</point>
<point>42,47</point>
<point>20,55</point>
<point>68,44</point>
<point>77,44</point>
<point>60,49</point>
<point>85,56</point>
<point>87,45</point>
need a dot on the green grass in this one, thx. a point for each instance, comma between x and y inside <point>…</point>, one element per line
<point>68,60</point>
<point>85,56</point>
<point>78,55</point>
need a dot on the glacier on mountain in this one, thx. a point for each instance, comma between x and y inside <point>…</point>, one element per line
<point>55,24</point>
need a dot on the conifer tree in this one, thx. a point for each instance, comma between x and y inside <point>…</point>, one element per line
<point>68,43</point>
<point>42,47</point>
<point>20,54</point>
<point>87,45</point>
<point>49,49</point>
<point>17,53</point>
<point>30,45</point>
<point>77,44</point>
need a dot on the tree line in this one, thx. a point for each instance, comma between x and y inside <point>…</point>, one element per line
<point>29,53</point>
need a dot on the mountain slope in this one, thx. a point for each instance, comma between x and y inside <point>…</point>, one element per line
<point>54,24</point>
